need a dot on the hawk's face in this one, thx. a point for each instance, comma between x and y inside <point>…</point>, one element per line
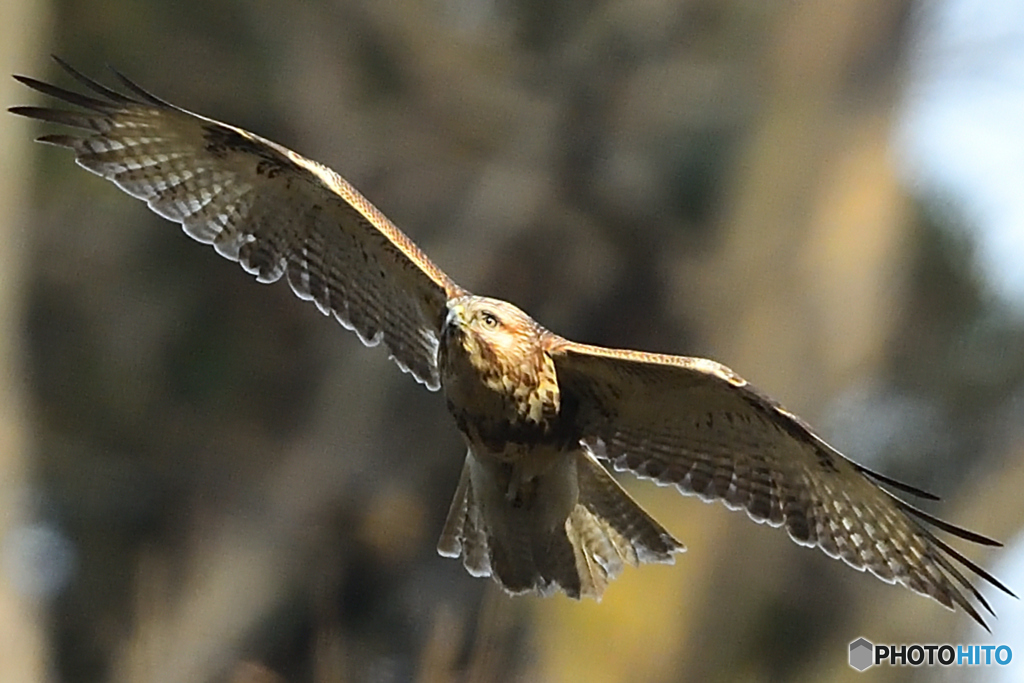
<point>491,327</point>
<point>503,348</point>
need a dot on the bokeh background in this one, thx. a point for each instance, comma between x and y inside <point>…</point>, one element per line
<point>202,479</point>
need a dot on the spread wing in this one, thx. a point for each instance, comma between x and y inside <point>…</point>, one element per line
<point>694,424</point>
<point>272,210</point>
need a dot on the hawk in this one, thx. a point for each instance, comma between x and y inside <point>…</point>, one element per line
<point>535,507</point>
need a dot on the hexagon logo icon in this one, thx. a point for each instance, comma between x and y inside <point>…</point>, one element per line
<point>862,654</point>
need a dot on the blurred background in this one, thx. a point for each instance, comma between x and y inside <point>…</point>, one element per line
<point>203,479</point>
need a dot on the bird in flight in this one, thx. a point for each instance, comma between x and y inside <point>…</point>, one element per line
<point>535,507</point>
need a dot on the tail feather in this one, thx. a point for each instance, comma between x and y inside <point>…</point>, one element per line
<point>555,558</point>
<point>518,544</point>
<point>464,534</point>
<point>611,530</point>
<point>640,539</point>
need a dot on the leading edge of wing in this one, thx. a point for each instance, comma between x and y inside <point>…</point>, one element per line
<point>115,101</point>
<point>758,400</point>
<point>430,286</point>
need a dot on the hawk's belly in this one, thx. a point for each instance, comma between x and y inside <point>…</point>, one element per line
<point>538,485</point>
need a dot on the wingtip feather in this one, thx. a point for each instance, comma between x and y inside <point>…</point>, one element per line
<point>895,483</point>
<point>67,95</point>
<point>139,90</point>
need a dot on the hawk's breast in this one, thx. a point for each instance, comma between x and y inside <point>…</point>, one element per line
<point>498,395</point>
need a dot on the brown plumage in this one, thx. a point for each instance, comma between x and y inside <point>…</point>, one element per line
<point>534,507</point>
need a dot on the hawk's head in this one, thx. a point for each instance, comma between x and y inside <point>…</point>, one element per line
<point>504,348</point>
<point>486,326</point>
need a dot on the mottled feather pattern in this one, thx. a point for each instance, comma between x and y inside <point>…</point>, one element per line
<point>696,425</point>
<point>273,211</point>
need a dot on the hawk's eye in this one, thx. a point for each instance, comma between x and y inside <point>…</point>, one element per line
<point>489,319</point>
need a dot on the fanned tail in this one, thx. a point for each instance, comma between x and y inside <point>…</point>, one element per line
<point>526,550</point>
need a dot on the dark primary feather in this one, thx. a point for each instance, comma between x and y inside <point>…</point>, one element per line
<point>258,203</point>
<point>696,425</point>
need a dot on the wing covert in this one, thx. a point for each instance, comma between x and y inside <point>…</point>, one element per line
<point>256,202</point>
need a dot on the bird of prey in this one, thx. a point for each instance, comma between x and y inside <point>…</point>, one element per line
<point>535,507</point>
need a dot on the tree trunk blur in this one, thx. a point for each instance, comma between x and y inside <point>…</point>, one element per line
<point>23,654</point>
<point>796,297</point>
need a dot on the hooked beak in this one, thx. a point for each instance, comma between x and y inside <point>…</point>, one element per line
<point>455,318</point>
